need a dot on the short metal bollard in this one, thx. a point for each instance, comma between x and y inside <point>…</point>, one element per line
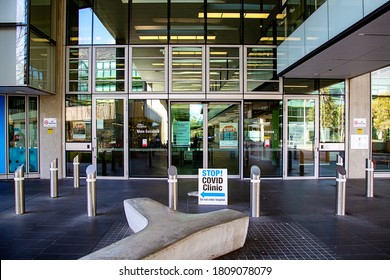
<point>369,178</point>
<point>54,178</point>
<point>173,187</point>
<point>340,160</point>
<point>255,191</point>
<point>91,190</point>
<point>340,190</point>
<point>76,172</point>
<point>19,190</point>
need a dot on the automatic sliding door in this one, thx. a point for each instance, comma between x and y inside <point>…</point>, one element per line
<point>108,148</point>
<point>199,125</point>
<point>187,137</point>
<point>223,136</point>
<point>301,137</point>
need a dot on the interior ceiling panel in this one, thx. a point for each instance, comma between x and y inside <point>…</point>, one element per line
<point>365,50</point>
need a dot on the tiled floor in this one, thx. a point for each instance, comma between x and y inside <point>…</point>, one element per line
<point>297,219</point>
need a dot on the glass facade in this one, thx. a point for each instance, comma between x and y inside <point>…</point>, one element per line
<point>185,62</point>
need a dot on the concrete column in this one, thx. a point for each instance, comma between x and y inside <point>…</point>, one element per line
<point>359,108</point>
<point>51,106</point>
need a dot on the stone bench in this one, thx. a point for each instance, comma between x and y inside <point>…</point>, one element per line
<point>161,233</point>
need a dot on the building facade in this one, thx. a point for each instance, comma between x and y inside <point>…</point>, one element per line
<point>136,86</point>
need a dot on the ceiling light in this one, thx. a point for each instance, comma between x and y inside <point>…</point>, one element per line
<point>234,15</point>
<point>174,37</point>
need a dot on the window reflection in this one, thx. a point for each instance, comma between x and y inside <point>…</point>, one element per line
<point>262,137</point>
<point>380,110</point>
<point>78,118</point>
<point>148,69</point>
<point>224,22</point>
<point>16,132</point>
<point>149,22</point>
<point>225,69</point>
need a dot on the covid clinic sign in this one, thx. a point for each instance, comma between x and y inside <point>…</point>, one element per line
<point>212,187</point>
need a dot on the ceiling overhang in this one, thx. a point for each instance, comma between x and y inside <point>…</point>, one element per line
<point>359,50</point>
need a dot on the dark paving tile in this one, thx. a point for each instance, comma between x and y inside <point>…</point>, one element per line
<point>297,219</point>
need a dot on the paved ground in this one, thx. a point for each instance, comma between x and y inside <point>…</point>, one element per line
<point>297,219</point>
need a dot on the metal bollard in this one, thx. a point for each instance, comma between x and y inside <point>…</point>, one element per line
<point>54,178</point>
<point>340,190</point>
<point>76,172</point>
<point>173,188</point>
<point>19,190</point>
<point>369,178</point>
<point>91,190</point>
<point>255,191</point>
<point>340,160</point>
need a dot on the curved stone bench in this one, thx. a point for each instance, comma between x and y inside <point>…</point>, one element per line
<point>161,233</point>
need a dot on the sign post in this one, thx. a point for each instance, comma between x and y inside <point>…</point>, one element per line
<point>212,187</point>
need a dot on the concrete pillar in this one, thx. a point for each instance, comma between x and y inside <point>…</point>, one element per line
<point>359,109</point>
<point>51,106</point>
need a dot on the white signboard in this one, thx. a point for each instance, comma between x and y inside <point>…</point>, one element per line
<point>359,142</point>
<point>361,122</point>
<point>181,133</point>
<point>228,135</point>
<point>50,122</point>
<point>212,187</point>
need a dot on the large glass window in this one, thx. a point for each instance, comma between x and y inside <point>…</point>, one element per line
<point>148,138</point>
<point>110,22</point>
<point>187,69</point>
<point>224,69</point>
<point>332,112</point>
<point>148,72</point>
<point>262,137</point>
<point>78,110</point>
<point>149,22</point>
<point>224,22</point>
<point>380,107</point>
<point>79,22</point>
<point>42,63</point>
<point>79,70</point>
<point>187,23</point>
<point>110,69</point>
<point>261,69</point>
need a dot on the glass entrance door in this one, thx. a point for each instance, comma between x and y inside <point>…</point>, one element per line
<point>108,136</point>
<point>301,137</point>
<point>204,135</point>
